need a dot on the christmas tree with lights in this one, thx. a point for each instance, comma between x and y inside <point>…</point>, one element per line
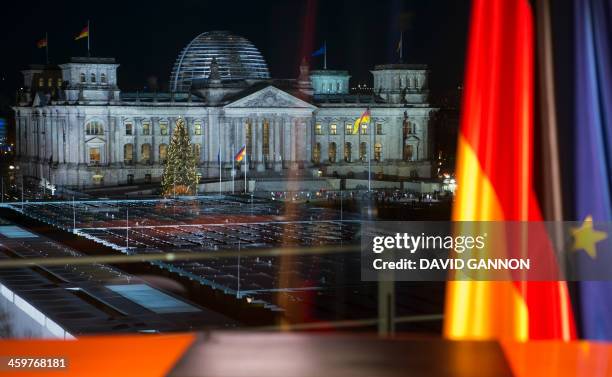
<point>180,175</point>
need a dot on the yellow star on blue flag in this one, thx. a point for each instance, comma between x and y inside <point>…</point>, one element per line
<point>586,237</point>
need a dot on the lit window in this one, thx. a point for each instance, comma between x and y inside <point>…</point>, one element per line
<point>41,82</point>
<point>347,152</point>
<point>363,151</point>
<point>50,82</point>
<point>196,151</point>
<point>364,128</point>
<point>103,78</point>
<point>93,77</point>
<point>379,129</point>
<point>59,83</point>
<point>408,152</point>
<point>332,152</point>
<point>94,156</point>
<point>163,152</point>
<point>378,152</point>
<point>318,129</point>
<point>316,153</point>
<point>146,128</point>
<point>82,77</point>
<point>333,129</point>
<point>128,153</point>
<point>348,128</point>
<point>197,128</point>
<point>145,153</point>
<point>163,128</point>
<point>128,129</point>
<point>94,128</point>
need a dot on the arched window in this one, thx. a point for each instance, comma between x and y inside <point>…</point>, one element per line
<point>197,128</point>
<point>197,148</point>
<point>145,153</point>
<point>93,77</point>
<point>83,78</point>
<point>103,78</point>
<point>363,151</point>
<point>332,152</point>
<point>378,152</point>
<point>94,128</point>
<point>316,153</point>
<point>163,152</point>
<point>128,153</point>
<point>347,152</point>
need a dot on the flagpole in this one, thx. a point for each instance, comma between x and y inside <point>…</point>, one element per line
<point>246,155</point>
<point>325,55</point>
<point>233,168</point>
<point>401,46</point>
<point>219,137</point>
<point>47,47</point>
<point>88,34</point>
<point>370,160</point>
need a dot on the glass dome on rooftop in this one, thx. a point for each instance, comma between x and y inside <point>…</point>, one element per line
<point>237,57</point>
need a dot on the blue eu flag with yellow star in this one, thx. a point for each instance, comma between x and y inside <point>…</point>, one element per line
<point>593,162</point>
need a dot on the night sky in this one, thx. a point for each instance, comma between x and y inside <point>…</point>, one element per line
<point>146,37</point>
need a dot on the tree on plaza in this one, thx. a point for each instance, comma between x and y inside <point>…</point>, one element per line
<point>180,175</point>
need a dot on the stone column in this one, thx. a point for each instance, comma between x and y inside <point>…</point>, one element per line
<point>226,141</point>
<point>61,143</point>
<point>80,132</point>
<point>39,144</point>
<point>55,137</point>
<point>108,154</point>
<point>259,145</point>
<point>154,140</point>
<point>242,133</point>
<point>292,143</point>
<point>277,144</point>
<point>400,126</point>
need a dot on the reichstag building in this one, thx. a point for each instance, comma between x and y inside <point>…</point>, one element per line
<point>75,127</point>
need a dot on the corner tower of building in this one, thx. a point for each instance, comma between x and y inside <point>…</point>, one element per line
<point>401,83</point>
<point>327,81</point>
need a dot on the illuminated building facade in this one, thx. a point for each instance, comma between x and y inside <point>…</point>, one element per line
<point>76,128</point>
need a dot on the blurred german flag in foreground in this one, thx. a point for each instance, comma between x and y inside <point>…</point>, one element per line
<point>508,162</point>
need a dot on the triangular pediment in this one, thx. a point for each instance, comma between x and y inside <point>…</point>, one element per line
<point>95,140</point>
<point>270,97</point>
